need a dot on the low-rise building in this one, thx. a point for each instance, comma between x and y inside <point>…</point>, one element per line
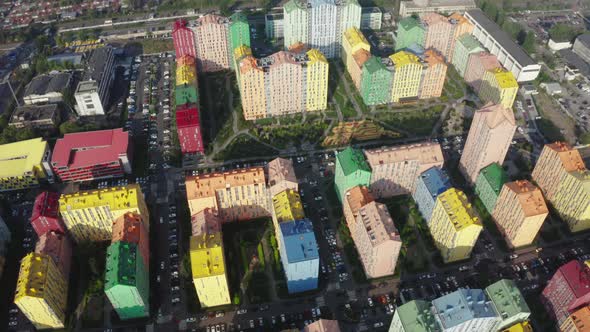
<point>407,8</point>
<point>489,184</point>
<point>42,117</point>
<point>23,164</point>
<point>430,184</point>
<point>47,88</point>
<point>94,90</point>
<point>582,46</point>
<point>508,303</point>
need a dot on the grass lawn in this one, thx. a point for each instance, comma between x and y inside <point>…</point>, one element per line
<point>296,132</point>
<point>419,122</point>
<point>243,147</point>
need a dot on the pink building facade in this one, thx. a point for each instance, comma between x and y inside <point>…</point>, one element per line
<point>439,33</point>
<point>59,248</point>
<point>211,43</point>
<point>477,65</point>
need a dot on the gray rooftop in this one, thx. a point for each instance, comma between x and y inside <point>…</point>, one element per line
<point>501,38</point>
<point>97,63</point>
<point>87,86</point>
<point>584,39</point>
<point>574,60</point>
<point>44,84</point>
<point>34,112</point>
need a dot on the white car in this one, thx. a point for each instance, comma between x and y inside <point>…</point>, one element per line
<point>191,319</point>
<point>175,300</point>
<point>241,311</point>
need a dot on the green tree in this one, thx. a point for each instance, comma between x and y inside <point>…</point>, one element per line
<point>562,32</point>
<point>529,43</point>
<point>585,138</point>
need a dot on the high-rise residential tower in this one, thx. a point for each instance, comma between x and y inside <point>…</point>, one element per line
<point>351,170</point>
<point>489,184</point>
<point>407,76</point>
<point>410,31</point>
<point>435,73</point>
<point>499,87</point>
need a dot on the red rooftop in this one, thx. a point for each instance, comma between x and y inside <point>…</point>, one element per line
<point>189,129</point>
<point>568,289</point>
<point>45,216</point>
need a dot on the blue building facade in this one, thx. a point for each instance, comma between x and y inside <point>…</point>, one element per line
<point>431,183</point>
<point>299,255</point>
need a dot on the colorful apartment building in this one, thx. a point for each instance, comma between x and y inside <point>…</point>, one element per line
<point>562,176</point>
<point>320,24</point>
<point>236,195</point>
<point>353,42</point>
<point>520,212</point>
<point>126,283</point>
<point>211,43</point>
<point>508,303</point>
<point>23,164</point>
<point>499,87</point>
<point>251,81</point>
<point>281,176</point>
<point>435,73</point>
<point>395,169</point>
<point>488,140</point>
<point>205,222</point>
<point>410,31</point>
<point>45,216</point>
<point>92,155</point>
<point>322,325</point>
<point>519,327</point>
<point>488,185</point>
<point>239,33</point>
<point>463,310</point>
<point>130,228</point>
<point>461,27</point>
<point>464,47</point>
<point>355,198</point>
<point>407,77</point>
<point>430,184</point>
<point>376,81</point>
<point>41,292</point>
<point>188,128</point>
<point>186,75</point>
<point>578,321</point>
<point>208,270</point>
<point>316,93</point>
<point>299,255</point>
<point>351,170</point>
<point>567,291</point>
<point>89,215</point>
<point>287,207</point>
<point>477,64</point>
<point>377,240</point>
<point>184,39</point>
<point>59,248</point>
<point>186,94</point>
<point>414,316</point>
<point>439,33</point>
<point>454,225</point>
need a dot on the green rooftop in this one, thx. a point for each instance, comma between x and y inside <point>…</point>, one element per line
<point>409,23</point>
<point>416,316</point>
<point>185,95</point>
<point>470,43</point>
<point>374,64</point>
<point>352,160</point>
<point>495,176</point>
<point>239,17</point>
<point>507,298</point>
<point>121,264</point>
<point>292,5</point>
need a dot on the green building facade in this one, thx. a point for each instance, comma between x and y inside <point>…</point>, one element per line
<point>409,31</point>
<point>186,94</point>
<point>508,303</point>
<point>488,185</point>
<point>239,33</point>
<point>127,281</point>
<point>351,170</point>
<point>465,45</point>
<point>376,80</point>
<point>414,316</point>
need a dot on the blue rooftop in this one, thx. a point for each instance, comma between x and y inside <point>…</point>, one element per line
<point>436,181</point>
<point>299,240</point>
<point>461,306</point>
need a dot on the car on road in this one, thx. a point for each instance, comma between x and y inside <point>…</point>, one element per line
<point>378,324</point>
<point>241,311</point>
<point>370,301</point>
<point>175,300</point>
<point>219,314</point>
<point>251,324</point>
<point>191,319</point>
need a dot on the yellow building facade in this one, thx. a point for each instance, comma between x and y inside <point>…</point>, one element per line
<point>41,292</point>
<point>572,200</point>
<point>454,226</point>
<point>89,215</point>
<point>240,53</point>
<point>520,327</point>
<point>185,75</point>
<point>252,89</point>
<point>499,86</point>
<point>316,81</point>
<point>23,164</point>
<point>407,76</point>
<point>355,51</point>
<point>208,270</point>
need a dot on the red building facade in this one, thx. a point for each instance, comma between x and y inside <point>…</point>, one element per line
<point>189,129</point>
<point>184,39</point>
<point>568,290</point>
<point>45,216</point>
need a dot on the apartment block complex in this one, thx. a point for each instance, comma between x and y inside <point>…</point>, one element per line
<point>488,140</point>
<point>567,291</point>
<point>454,226</point>
<point>356,50</point>
<point>287,207</point>
<point>45,216</point>
<point>419,7</point>
<point>371,18</point>
<point>465,309</point>
<point>377,240</point>
<point>351,170</point>
<point>439,33</point>
<point>127,280</point>
<point>430,184</point>
<point>184,40</point>
<point>376,79</point>
<point>578,321</point>
<point>281,176</point>
<point>499,87</point>
<point>208,269</point>
<point>188,126</point>
<point>299,254</point>
<point>478,64</point>
<point>499,43</point>
<point>130,228</point>
<point>410,31</point>
<point>23,164</point>
<point>92,155</point>
<point>283,83</point>
<point>433,79</point>
<point>59,248</point>
<point>408,72</point>
<point>414,316</point>
<point>395,169</point>
<point>356,198</point>
<point>94,90</point>
<point>520,212</point>
<point>89,215</point>
<point>508,303</point>
<point>562,176</point>
<point>41,292</point>
<point>489,184</point>
<point>320,24</point>
<point>235,195</point>
<point>464,47</point>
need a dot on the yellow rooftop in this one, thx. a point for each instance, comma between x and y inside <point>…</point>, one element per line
<point>505,78</point>
<point>315,55</point>
<point>22,157</point>
<point>458,209</point>
<point>32,278</point>
<point>117,198</point>
<point>206,253</point>
<point>242,51</point>
<point>403,58</point>
<point>287,206</point>
<point>357,40</point>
